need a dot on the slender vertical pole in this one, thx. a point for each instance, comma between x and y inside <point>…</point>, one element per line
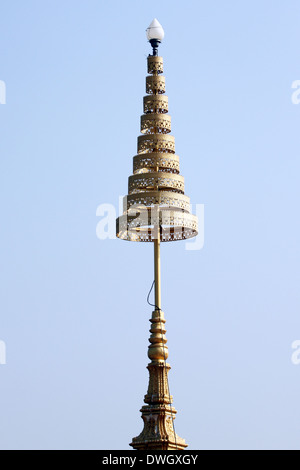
<point>157,271</point>
<point>157,250</point>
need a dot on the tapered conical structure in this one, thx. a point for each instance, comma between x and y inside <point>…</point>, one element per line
<point>156,210</point>
<point>156,189</point>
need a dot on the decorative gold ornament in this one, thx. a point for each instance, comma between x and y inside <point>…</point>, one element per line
<point>156,210</point>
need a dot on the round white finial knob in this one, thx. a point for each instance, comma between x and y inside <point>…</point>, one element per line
<point>155,31</point>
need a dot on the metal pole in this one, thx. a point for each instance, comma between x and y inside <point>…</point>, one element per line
<point>157,271</point>
<point>157,250</point>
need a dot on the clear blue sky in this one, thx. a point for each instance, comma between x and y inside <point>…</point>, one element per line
<point>73,308</point>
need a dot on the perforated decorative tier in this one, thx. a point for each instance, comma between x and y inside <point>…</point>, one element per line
<point>156,206</point>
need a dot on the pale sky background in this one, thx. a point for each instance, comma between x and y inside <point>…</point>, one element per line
<point>73,308</point>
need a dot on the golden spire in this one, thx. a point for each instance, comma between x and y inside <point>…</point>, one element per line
<point>156,210</point>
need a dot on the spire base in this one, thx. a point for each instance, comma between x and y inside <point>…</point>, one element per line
<point>158,414</point>
<point>158,432</point>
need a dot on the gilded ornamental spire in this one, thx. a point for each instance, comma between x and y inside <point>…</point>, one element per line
<point>156,210</point>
